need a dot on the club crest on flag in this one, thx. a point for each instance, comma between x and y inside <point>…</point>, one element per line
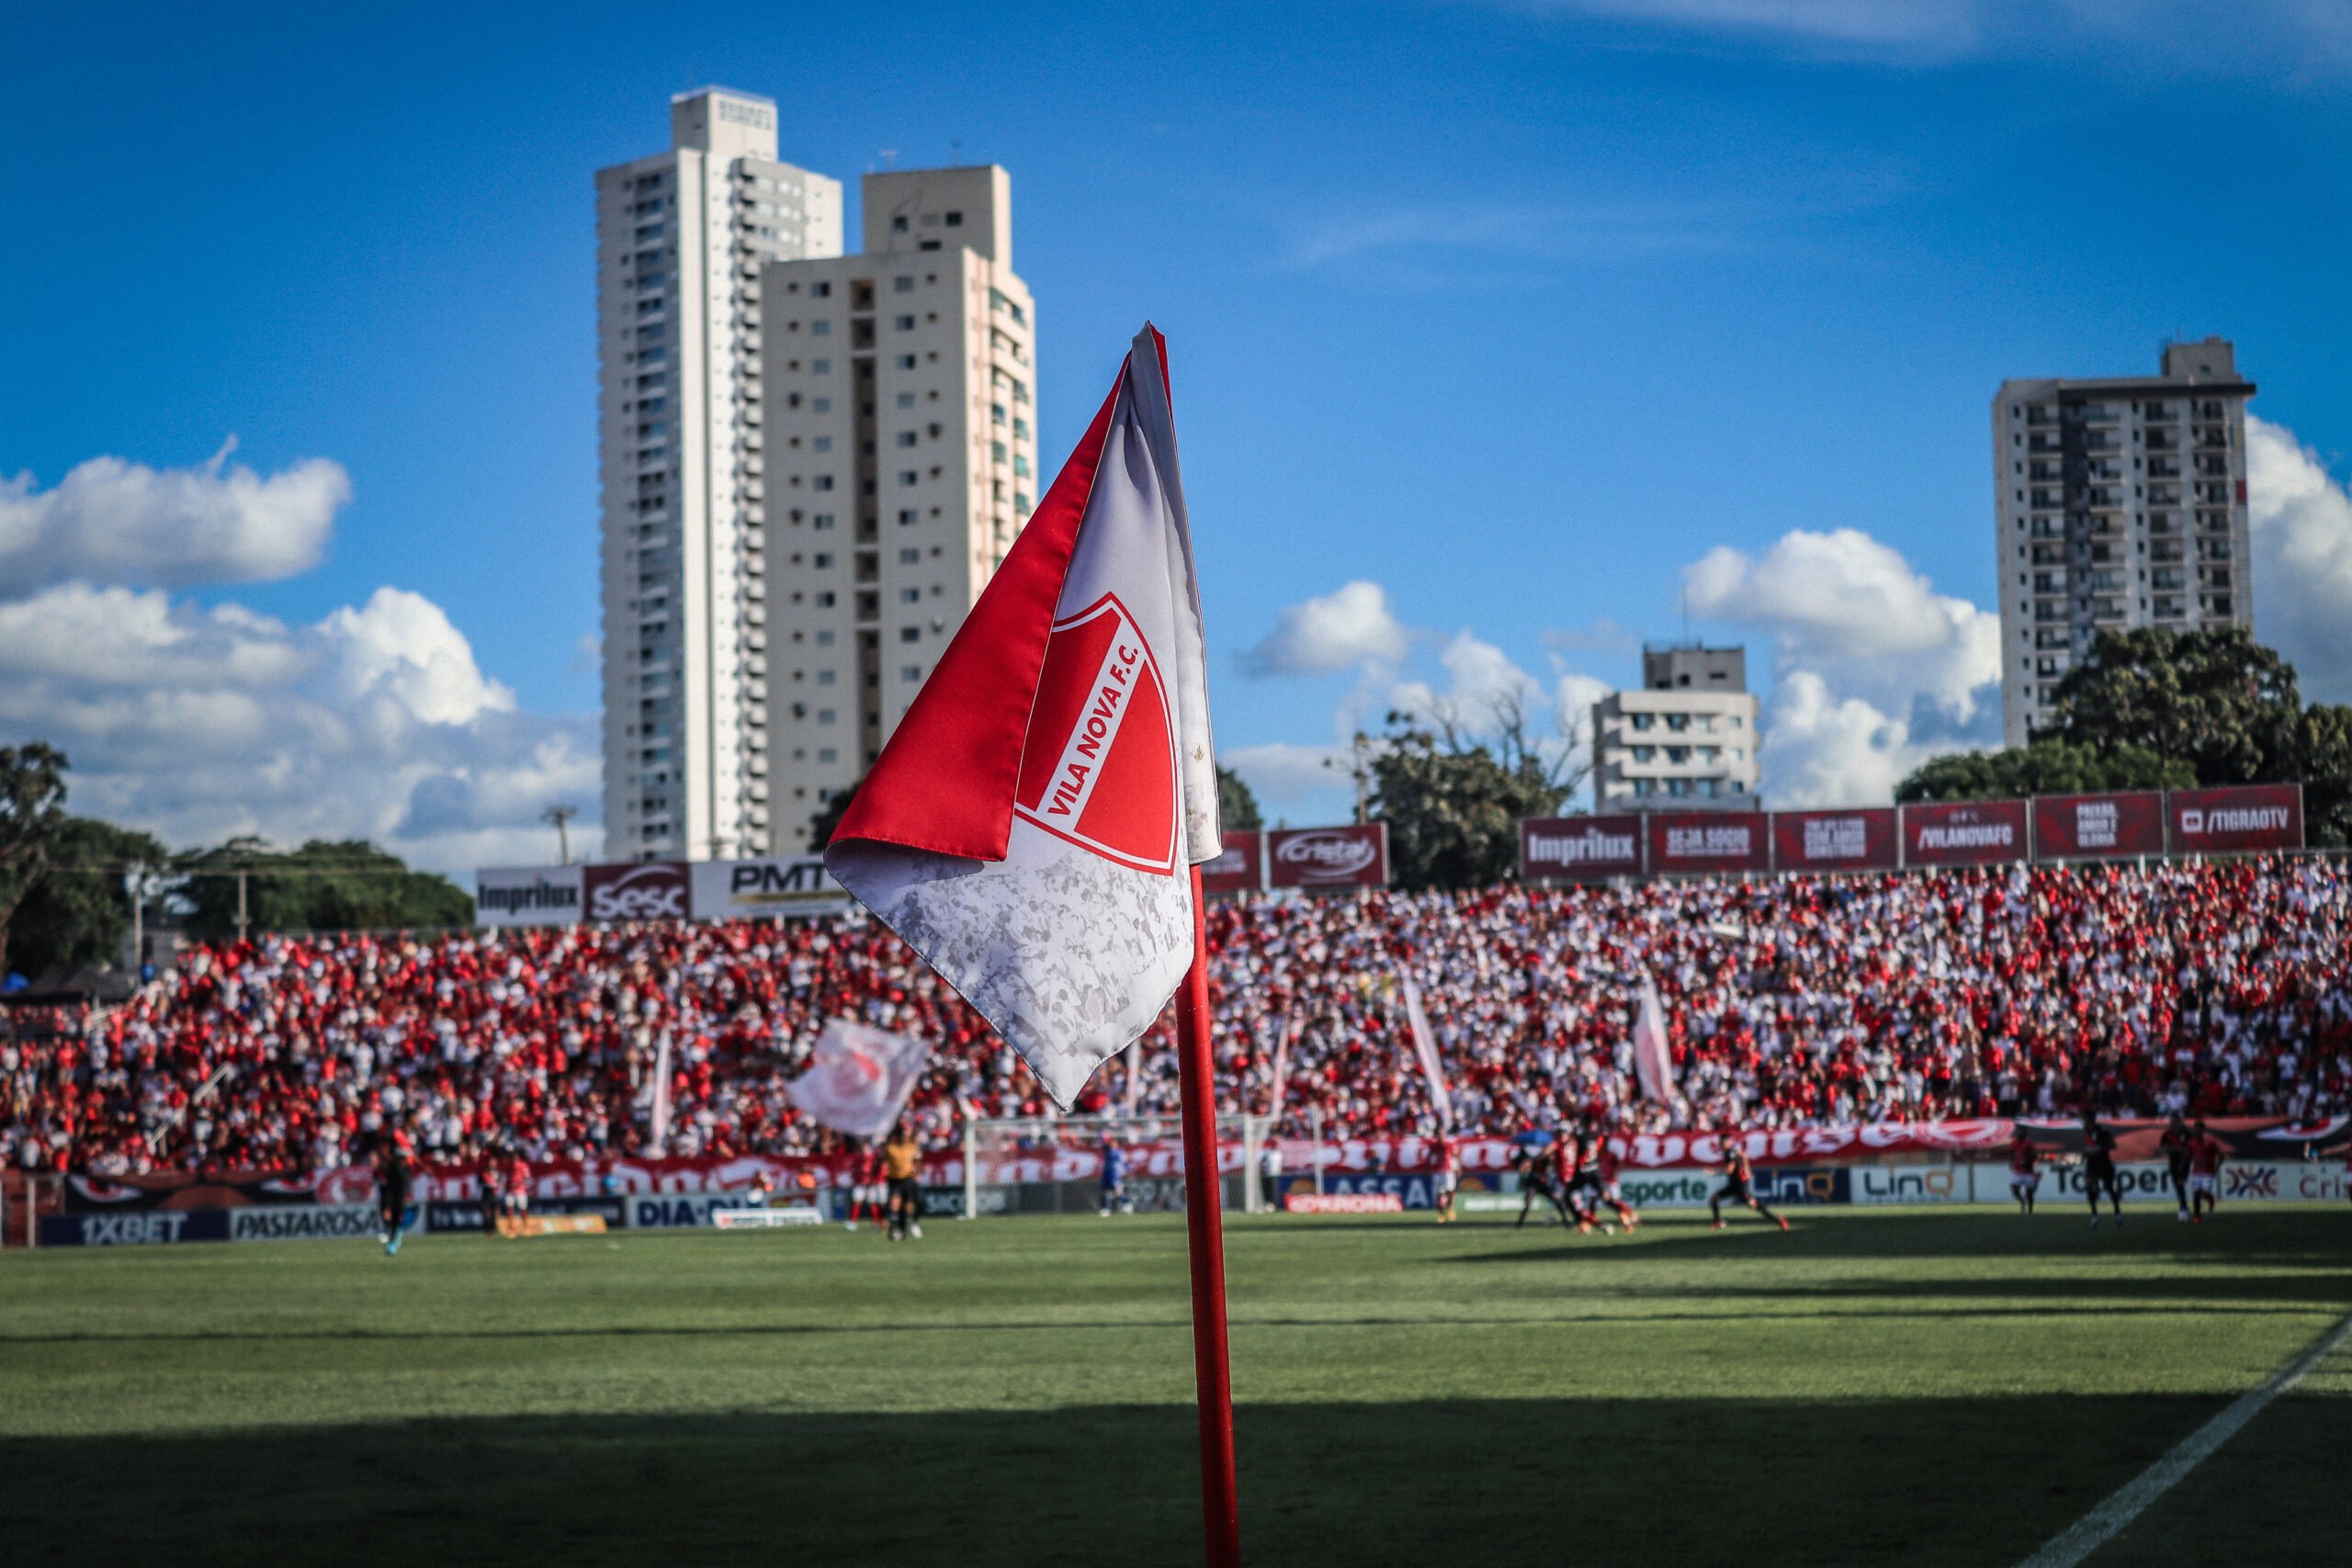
<point>1099,766</point>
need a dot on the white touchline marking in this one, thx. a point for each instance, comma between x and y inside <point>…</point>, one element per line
<point>2103,1523</point>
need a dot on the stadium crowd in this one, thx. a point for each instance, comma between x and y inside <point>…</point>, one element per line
<point>2218,989</point>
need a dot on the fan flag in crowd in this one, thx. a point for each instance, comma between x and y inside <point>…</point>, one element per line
<point>660,1141</point>
<point>859,1078</point>
<point>1425,1047</point>
<point>1653,1066</point>
<point>1030,826</point>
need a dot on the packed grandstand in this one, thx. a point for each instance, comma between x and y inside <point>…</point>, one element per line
<point>2215,988</point>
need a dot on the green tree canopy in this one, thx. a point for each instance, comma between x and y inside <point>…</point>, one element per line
<point>829,816</point>
<point>351,886</point>
<point>2046,767</point>
<point>1452,805</point>
<point>79,911</point>
<point>1236,804</point>
<point>32,813</point>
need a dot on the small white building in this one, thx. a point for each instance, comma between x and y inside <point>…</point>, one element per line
<point>1686,739</point>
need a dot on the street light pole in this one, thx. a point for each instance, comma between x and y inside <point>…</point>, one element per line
<point>562,817</point>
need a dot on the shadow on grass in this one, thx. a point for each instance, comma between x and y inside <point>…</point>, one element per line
<point>1754,1482</point>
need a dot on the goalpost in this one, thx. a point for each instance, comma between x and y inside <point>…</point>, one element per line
<point>1033,1165</point>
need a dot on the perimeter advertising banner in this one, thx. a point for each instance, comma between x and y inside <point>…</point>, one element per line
<point>1578,849</point>
<point>1834,841</point>
<point>635,890</point>
<point>2238,820</point>
<point>1240,869</point>
<point>1964,832</point>
<point>2098,826</point>
<point>732,889</point>
<point>527,896</point>
<point>1709,840</point>
<point>1311,858</point>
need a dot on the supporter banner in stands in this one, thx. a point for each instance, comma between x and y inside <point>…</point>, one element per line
<point>1964,832</point>
<point>2098,826</point>
<point>1578,849</point>
<point>638,890</point>
<point>1708,841</point>
<point>218,1190</point>
<point>1834,841</point>
<point>1354,856</point>
<point>2234,821</point>
<point>731,889</point>
<point>1242,867</point>
<point>527,896</point>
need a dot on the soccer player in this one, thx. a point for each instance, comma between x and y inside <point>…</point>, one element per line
<point>2025,1181</point>
<point>1449,1175</point>
<point>2099,1167</point>
<point>1534,1182</point>
<point>2175,1145</point>
<point>395,1170</point>
<point>1270,1174</point>
<point>1114,1177</point>
<point>1605,1162</point>
<point>517,1205</point>
<point>903,1163</point>
<point>1573,1174</point>
<point>2205,1153</point>
<point>1738,1175</point>
<point>866,1185</point>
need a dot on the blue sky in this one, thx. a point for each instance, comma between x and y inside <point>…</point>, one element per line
<point>1515,311</point>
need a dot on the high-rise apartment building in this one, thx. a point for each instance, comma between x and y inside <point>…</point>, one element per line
<point>2120,503</point>
<point>681,237</point>
<point>1686,739</point>
<point>901,391</point>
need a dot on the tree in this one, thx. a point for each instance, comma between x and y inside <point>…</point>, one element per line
<point>1452,805</point>
<point>351,886</point>
<point>2215,699</point>
<point>829,816</point>
<point>79,910</point>
<point>2046,767</point>
<point>32,811</point>
<point>1236,806</point>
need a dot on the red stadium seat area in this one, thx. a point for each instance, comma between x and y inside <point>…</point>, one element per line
<point>2222,989</point>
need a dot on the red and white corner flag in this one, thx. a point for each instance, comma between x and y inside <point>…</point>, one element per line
<point>1653,1064</point>
<point>1416,1019</point>
<point>1031,827</point>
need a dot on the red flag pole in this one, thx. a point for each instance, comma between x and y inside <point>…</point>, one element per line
<point>1220,1503</point>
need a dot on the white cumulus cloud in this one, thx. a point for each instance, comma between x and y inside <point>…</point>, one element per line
<point>2302,523</point>
<point>111,520</point>
<point>1349,627</point>
<point>1874,671</point>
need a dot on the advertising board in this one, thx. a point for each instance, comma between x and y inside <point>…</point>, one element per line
<point>1687,1189</point>
<point>314,1221</point>
<point>671,1210</point>
<point>1781,1185</point>
<point>1352,856</point>
<point>1685,842</point>
<point>135,1227</point>
<point>1343,1203</point>
<point>1240,869</point>
<point>2243,820</point>
<point>637,890</point>
<point>527,896</point>
<point>732,889</point>
<point>1834,841</point>
<point>1964,832</point>
<point>1910,1184</point>
<point>2098,826</point>
<point>1578,849</point>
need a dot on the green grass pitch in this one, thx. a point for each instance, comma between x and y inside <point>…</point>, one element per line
<point>1915,1386</point>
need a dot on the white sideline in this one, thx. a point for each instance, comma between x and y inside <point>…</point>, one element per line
<point>2103,1523</point>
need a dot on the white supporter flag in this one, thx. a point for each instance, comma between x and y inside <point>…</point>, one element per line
<point>859,1078</point>
<point>1425,1047</point>
<point>1032,826</point>
<point>659,1140</point>
<point>1653,1064</point>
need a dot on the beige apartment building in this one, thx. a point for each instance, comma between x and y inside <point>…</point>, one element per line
<point>681,236</point>
<point>1686,740</point>
<point>2118,503</point>
<point>902,458</point>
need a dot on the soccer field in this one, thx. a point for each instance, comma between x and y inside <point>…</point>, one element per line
<point>1917,1386</point>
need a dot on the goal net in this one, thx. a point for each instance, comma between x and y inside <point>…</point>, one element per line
<point>1056,1165</point>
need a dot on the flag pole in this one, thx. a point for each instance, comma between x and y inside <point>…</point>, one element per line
<point>1220,1503</point>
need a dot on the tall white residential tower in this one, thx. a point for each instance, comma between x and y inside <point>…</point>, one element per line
<point>2118,503</point>
<point>681,237</point>
<point>902,459</point>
